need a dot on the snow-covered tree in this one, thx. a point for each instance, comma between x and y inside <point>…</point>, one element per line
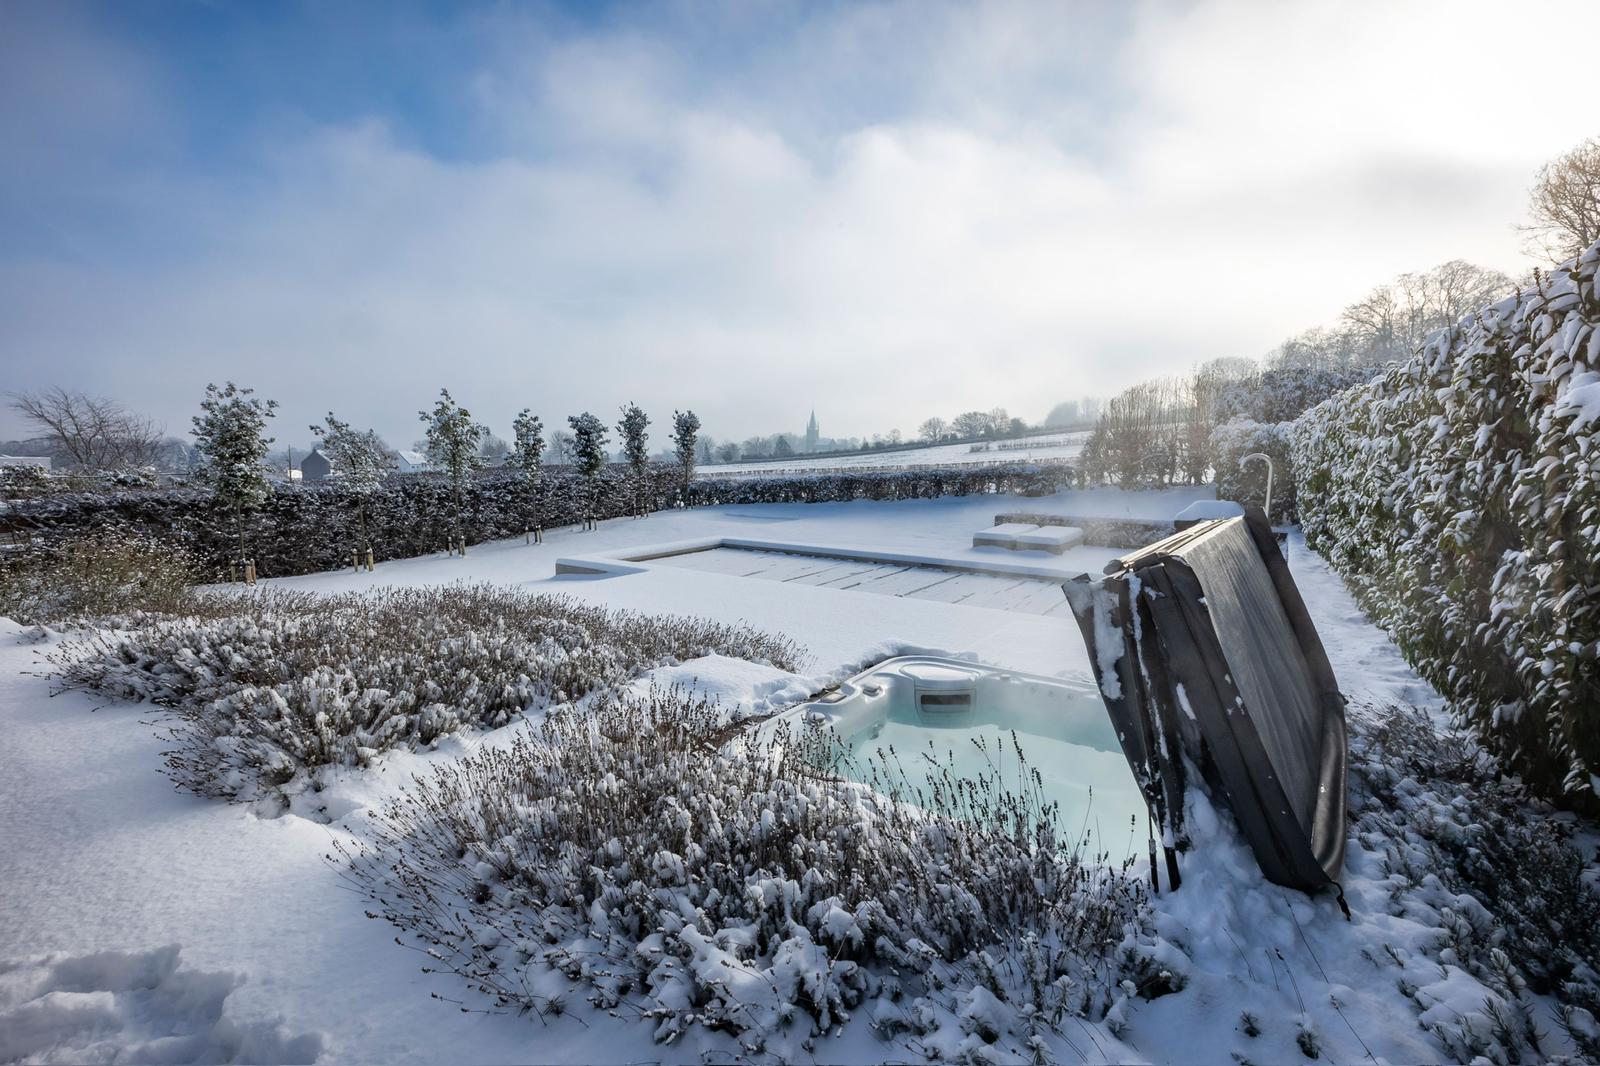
<point>527,456</point>
<point>453,439</point>
<point>228,434</point>
<point>635,451</point>
<point>685,439</point>
<point>361,461</point>
<point>932,430</point>
<point>589,455</point>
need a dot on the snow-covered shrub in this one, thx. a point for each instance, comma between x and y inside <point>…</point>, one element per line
<point>110,576</point>
<point>1247,483</point>
<point>1466,849</point>
<point>1459,495</point>
<point>642,853</point>
<point>288,682</point>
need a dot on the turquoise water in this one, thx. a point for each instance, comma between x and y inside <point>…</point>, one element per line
<point>1081,766</point>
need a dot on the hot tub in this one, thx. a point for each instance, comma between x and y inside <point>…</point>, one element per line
<point>964,716</point>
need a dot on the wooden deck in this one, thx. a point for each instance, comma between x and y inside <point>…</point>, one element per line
<point>1027,595</point>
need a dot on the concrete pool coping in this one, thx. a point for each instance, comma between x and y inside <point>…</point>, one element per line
<point>638,559</point>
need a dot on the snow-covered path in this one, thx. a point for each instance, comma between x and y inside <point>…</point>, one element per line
<point>98,853</point>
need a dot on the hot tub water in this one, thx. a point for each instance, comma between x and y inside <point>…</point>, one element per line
<point>963,717</point>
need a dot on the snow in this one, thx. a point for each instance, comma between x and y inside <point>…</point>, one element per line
<point>1203,509</point>
<point>140,1007</point>
<point>1023,449</point>
<point>253,947</point>
<point>1582,399</point>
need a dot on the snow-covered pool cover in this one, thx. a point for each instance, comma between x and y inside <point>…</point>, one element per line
<point>964,717</point>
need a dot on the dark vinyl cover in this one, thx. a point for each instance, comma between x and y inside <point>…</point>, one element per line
<point>1203,647</point>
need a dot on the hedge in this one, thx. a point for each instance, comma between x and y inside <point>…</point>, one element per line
<point>1459,494</point>
<point>1232,441</point>
<point>306,529</point>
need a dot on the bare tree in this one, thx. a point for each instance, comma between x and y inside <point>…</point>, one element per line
<point>1393,320</point>
<point>560,447</point>
<point>89,432</point>
<point>933,430</point>
<point>970,424</point>
<point>1565,203</point>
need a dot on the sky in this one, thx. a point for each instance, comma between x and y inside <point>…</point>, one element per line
<point>882,211</point>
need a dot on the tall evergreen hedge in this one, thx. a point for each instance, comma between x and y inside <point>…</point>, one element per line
<point>1459,494</point>
<point>305,529</point>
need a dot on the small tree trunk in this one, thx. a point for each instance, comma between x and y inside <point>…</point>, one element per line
<point>455,492</point>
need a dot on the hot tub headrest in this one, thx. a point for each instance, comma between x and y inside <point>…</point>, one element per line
<point>1207,657</point>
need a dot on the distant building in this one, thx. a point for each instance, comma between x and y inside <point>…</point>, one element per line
<point>38,462</point>
<point>811,432</point>
<point>412,463</point>
<point>316,466</point>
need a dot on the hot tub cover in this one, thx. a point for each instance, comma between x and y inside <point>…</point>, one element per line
<point>1204,649</point>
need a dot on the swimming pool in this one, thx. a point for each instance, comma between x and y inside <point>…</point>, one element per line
<point>925,723</point>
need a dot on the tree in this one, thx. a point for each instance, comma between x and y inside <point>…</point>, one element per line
<point>527,456</point>
<point>228,435</point>
<point>685,432</point>
<point>88,432</point>
<point>493,447</point>
<point>1565,203</point>
<point>1063,415</point>
<point>362,461</point>
<point>728,452</point>
<point>933,430</point>
<point>561,447</point>
<point>635,451</point>
<point>705,450</point>
<point>782,449</point>
<point>970,424</point>
<point>453,439</point>
<point>999,421</point>
<point>1393,320</point>
<point>589,452</point>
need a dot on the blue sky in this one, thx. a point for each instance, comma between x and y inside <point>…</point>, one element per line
<point>886,210</point>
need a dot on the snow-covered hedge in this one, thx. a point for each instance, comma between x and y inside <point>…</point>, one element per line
<point>289,682</point>
<point>634,854</point>
<point>307,529</point>
<point>108,576</point>
<point>1232,441</point>
<point>1459,494</point>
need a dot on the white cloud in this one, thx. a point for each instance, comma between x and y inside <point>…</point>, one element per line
<point>886,211</point>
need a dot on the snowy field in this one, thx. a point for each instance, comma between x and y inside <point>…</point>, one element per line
<point>143,922</point>
<point>1059,445</point>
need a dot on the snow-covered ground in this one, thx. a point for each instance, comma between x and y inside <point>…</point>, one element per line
<point>160,925</point>
<point>1058,445</point>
